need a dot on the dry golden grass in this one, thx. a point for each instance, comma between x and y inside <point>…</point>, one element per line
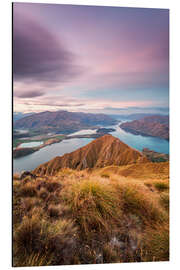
<point>142,171</point>
<point>92,216</point>
<point>94,204</point>
<point>156,243</point>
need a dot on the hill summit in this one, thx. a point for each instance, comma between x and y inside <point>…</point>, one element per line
<point>104,151</point>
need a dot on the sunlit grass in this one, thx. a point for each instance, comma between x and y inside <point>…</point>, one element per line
<point>97,216</point>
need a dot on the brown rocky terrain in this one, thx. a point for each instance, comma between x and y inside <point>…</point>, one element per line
<point>104,151</point>
<point>157,126</point>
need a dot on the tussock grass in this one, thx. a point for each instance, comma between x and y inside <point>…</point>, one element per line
<point>53,198</point>
<point>82,217</point>
<point>110,255</point>
<point>43,193</point>
<point>156,244</point>
<point>29,203</point>
<point>56,211</point>
<point>94,205</point>
<point>164,200</point>
<point>28,190</point>
<point>40,241</point>
<point>137,201</point>
<point>53,186</point>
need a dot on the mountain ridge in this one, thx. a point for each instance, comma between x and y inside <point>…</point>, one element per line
<point>63,121</point>
<point>104,151</point>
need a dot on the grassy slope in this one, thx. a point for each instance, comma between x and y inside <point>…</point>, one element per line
<point>114,214</point>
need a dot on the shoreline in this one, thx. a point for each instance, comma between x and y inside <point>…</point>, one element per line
<point>24,151</point>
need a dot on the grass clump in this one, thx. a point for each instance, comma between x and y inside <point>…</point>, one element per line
<point>161,186</point>
<point>43,193</point>
<point>139,202</point>
<point>53,186</point>
<point>110,255</point>
<point>42,242</point>
<point>56,211</point>
<point>94,205</point>
<point>164,200</point>
<point>28,190</point>
<point>156,244</point>
<point>29,203</point>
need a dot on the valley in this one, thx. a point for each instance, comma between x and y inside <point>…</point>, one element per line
<point>71,142</point>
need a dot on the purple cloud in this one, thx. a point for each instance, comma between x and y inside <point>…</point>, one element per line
<point>38,55</point>
<point>29,94</point>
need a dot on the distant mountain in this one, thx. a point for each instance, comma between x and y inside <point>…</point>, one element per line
<point>19,115</point>
<point>104,151</point>
<point>156,125</point>
<point>63,121</point>
<point>135,116</point>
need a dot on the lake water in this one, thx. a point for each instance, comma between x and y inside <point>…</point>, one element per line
<point>31,161</point>
<point>139,142</point>
<point>30,144</point>
<point>84,132</point>
<point>45,154</point>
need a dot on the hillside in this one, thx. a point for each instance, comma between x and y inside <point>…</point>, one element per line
<point>104,151</point>
<point>19,115</point>
<point>63,121</point>
<point>157,126</point>
<point>114,214</point>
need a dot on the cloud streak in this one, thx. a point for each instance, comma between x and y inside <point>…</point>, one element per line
<point>29,94</point>
<point>38,55</point>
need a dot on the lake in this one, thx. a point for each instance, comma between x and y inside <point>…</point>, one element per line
<point>84,132</point>
<point>45,154</point>
<point>139,142</point>
<point>33,160</point>
<point>30,144</point>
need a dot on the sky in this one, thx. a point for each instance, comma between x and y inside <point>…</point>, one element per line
<point>91,59</point>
